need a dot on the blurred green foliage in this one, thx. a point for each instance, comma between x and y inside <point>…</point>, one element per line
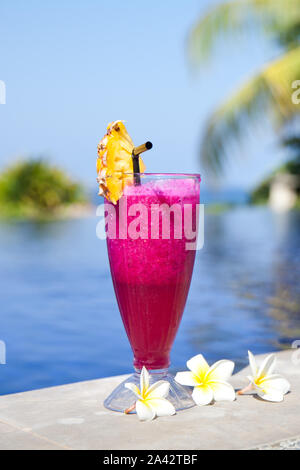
<point>263,97</point>
<point>33,188</point>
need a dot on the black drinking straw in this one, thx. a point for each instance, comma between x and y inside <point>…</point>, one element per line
<point>135,160</point>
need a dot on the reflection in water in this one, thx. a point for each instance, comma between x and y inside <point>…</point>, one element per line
<point>246,292</point>
<point>59,317</point>
<point>285,301</point>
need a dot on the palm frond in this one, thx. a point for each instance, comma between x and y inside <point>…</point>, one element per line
<point>267,93</point>
<point>276,17</point>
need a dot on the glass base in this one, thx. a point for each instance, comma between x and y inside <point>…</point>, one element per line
<point>122,399</point>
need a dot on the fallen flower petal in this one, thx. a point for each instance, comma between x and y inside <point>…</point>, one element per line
<point>268,386</point>
<point>210,383</point>
<point>152,400</point>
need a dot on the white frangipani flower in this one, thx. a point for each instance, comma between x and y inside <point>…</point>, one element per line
<point>210,383</point>
<point>269,386</point>
<point>152,400</point>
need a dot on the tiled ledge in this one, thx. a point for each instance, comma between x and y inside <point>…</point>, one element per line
<point>73,417</point>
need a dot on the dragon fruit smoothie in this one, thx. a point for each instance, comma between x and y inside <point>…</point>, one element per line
<point>152,273</point>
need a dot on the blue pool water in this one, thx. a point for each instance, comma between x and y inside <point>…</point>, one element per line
<point>59,318</point>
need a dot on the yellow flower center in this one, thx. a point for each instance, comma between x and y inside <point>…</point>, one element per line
<point>259,381</point>
<point>200,379</point>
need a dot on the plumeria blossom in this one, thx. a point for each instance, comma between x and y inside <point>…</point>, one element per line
<point>210,383</point>
<point>152,400</point>
<point>269,386</point>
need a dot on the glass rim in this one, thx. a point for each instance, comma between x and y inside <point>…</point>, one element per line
<point>162,175</point>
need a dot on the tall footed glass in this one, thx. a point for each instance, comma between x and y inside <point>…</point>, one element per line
<point>151,242</point>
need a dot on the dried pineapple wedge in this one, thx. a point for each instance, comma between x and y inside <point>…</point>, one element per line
<point>114,161</point>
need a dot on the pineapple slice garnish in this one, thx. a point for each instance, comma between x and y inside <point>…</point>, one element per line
<point>114,162</point>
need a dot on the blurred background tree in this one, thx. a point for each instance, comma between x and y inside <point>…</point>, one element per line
<point>34,189</point>
<point>268,93</point>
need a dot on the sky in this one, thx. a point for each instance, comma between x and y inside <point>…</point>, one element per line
<point>70,67</point>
